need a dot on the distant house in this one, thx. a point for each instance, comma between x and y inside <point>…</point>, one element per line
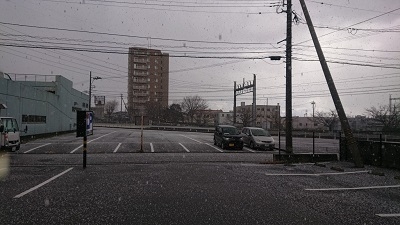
<point>207,117</point>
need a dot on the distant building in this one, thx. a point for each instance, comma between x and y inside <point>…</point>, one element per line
<point>44,104</point>
<point>267,116</point>
<point>307,123</point>
<point>225,118</point>
<point>148,80</point>
<point>207,117</point>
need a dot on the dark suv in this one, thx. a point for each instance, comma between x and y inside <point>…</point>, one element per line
<point>227,136</point>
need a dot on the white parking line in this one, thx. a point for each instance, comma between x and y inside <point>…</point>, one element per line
<point>191,139</point>
<point>214,147</point>
<point>354,188</point>
<point>37,147</point>
<point>184,147</point>
<point>151,147</point>
<point>248,149</point>
<point>116,149</point>
<point>44,183</point>
<point>389,215</point>
<point>314,174</point>
<point>76,149</point>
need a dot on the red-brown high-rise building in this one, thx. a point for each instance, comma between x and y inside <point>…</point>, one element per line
<point>148,79</point>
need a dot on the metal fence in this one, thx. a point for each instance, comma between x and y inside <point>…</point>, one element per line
<point>376,153</point>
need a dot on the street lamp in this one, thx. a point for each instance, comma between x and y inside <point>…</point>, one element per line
<point>90,87</point>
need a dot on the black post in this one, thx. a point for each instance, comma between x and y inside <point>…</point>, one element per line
<point>279,142</point>
<point>84,149</point>
<point>313,143</point>
<point>380,149</point>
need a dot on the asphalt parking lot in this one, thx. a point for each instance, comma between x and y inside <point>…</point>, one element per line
<point>48,185</point>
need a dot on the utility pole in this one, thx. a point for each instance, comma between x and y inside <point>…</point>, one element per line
<point>90,90</point>
<point>289,125</point>
<point>351,142</point>
<point>254,101</point>
<point>234,103</point>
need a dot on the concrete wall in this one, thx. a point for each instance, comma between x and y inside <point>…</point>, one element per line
<point>56,101</point>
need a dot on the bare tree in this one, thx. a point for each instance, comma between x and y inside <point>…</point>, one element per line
<point>192,105</point>
<point>328,119</point>
<point>110,107</point>
<point>246,117</point>
<point>389,120</point>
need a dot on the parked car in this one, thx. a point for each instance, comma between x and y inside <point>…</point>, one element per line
<point>9,134</point>
<point>257,138</point>
<point>227,136</point>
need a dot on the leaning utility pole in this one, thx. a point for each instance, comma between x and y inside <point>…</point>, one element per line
<point>289,125</point>
<point>351,142</point>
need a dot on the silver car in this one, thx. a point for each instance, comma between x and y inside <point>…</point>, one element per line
<point>257,138</point>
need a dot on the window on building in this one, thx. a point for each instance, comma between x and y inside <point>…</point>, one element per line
<point>268,109</point>
<point>33,119</point>
<point>222,115</point>
<point>300,124</point>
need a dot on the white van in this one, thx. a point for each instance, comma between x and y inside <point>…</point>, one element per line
<point>9,134</point>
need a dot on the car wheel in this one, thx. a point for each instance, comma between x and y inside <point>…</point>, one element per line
<point>215,142</point>
<point>223,145</point>
<point>18,147</point>
<point>251,145</point>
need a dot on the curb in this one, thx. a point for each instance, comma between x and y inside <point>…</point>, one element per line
<point>337,169</point>
<point>377,173</point>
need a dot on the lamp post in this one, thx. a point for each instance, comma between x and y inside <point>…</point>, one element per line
<point>90,87</point>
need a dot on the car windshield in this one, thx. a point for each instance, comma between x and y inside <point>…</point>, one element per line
<point>229,130</point>
<point>260,132</point>
<point>10,125</point>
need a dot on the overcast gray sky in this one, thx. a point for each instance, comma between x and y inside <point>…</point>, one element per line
<point>229,30</point>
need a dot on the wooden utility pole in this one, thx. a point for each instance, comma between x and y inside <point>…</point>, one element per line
<point>288,119</point>
<point>350,140</point>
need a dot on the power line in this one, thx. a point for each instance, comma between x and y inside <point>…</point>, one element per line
<point>168,9</point>
<point>352,25</point>
<point>137,36</point>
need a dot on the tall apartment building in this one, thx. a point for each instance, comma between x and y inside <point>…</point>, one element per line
<point>148,79</point>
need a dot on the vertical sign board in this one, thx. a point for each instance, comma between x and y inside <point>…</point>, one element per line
<point>84,123</point>
<point>89,123</point>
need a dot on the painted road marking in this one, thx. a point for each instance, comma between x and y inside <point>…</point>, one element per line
<point>248,149</point>
<point>44,183</point>
<point>37,148</point>
<point>191,139</point>
<point>116,149</point>
<point>214,147</point>
<point>389,215</point>
<point>184,147</point>
<point>151,147</point>
<point>314,174</point>
<point>354,188</point>
<point>76,149</point>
